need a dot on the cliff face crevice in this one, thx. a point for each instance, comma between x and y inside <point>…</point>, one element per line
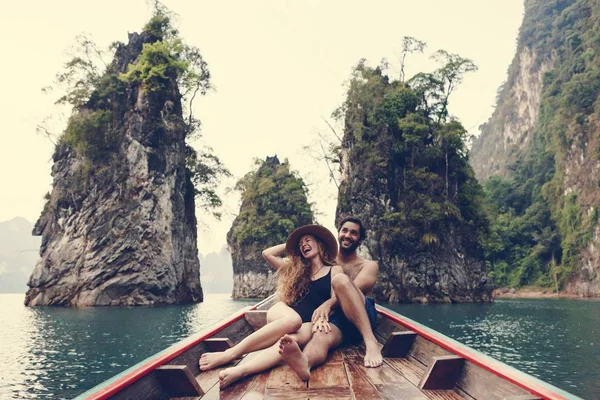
<point>509,131</point>
<point>122,231</point>
<point>442,273</point>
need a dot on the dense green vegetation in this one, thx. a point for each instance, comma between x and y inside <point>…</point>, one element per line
<point>539,225</point>
<point>168,71</point>
<point>412,156</point>
<point>274,203</point>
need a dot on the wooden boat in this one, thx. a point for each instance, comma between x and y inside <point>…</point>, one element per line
<point>419,363</point>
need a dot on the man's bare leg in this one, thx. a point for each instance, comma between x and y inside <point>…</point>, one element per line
<point>264,360</point>
<point>352,302</point>
<point>314,354</point>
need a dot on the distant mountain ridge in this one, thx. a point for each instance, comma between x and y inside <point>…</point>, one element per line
<point>19,251</point>
<point>216,272</point>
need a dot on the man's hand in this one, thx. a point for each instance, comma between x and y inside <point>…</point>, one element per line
<point>321,325</point>
<point>323,312</point>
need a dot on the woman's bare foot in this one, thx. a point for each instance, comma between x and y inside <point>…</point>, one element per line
<point>213,360</point>
<point>229,376</point>
<point>373,356</point>
<point>292,355</point>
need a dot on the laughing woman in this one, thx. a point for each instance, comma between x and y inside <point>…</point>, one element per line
<point>304,283</point>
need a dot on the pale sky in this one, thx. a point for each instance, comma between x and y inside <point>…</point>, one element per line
<point>278,67</point>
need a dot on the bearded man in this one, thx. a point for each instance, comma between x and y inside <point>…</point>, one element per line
<point>347,317</point>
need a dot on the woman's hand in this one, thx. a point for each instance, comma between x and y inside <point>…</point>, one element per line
<point>323,311</point>
<point>321,325</point>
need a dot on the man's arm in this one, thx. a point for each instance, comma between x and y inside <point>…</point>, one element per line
<point>366,278</point>
<point>364,281</point>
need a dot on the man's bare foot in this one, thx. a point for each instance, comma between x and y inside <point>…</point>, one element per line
<point>213,360</point>
<point>292,355</point>
<point>229,376</point>
<point>373,356</point>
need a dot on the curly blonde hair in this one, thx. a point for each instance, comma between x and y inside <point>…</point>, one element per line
<point>295,275</point>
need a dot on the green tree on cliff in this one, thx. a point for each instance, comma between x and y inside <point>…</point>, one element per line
<point>274,203</point>
<point>97,94</point>
<point>413,157</point>
<point>539,225</point>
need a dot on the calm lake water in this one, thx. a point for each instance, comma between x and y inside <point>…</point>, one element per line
<point>59,353</point>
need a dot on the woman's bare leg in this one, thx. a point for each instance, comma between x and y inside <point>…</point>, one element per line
<point>264,360</point>
<point>281,320</point>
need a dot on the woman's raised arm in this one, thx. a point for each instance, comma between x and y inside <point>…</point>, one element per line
<point>272,256</point>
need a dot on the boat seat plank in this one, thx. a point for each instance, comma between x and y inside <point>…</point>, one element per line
<point>192,356</point>
<point>443,372</point>
<point>413,371</point>
<point>424,350</point>
<point>398,344</point>
<point>218,344</point>
<point>524,397</point>
<point>235,332</point>
<point>147,387</point>
<point>385,328</point>
<point>482,384</point>
<point>309,393</point>
<point>256,318</point>
<point>178,381</point>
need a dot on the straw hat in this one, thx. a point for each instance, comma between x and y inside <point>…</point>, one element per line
<point>330,242</point>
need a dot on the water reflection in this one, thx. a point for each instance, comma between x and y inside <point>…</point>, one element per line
<point>554,340</point>
<point>60,352</point>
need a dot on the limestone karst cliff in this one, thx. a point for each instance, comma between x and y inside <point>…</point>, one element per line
<point>404,173</point>
<point>119,227</point>
<point>274,203</point>
<point>538,154</point>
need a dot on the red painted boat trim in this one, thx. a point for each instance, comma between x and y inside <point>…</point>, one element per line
<point>475,358</point>
<point>145,369</point>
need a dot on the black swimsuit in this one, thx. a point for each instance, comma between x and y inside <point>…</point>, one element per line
<point>319,291</point>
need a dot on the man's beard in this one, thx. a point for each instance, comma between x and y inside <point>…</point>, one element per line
<point>349,250</point>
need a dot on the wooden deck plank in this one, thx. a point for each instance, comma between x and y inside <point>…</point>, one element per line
<point>359,385</point>
<point>309,393</point>
<point>330,374</point>
<point>256,391</point>
<point>283,377</point>
<point>386,380</point>
<point>410,368</point>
